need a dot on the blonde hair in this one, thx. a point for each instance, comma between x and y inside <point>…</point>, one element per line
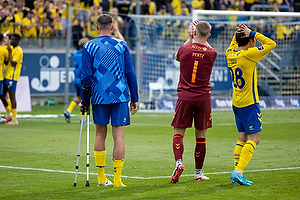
<point>82,41</point>
<point>203,28</point>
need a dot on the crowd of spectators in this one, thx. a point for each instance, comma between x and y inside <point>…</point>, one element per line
<point>48,18</point>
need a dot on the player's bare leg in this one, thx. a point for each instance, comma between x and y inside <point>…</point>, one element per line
<point>118,154</point>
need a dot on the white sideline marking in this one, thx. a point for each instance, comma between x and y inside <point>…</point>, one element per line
<point>137,177</point>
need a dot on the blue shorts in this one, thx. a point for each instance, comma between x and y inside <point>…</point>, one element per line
<point>1,88</point>
<point>118,113</point>
<point>11,85</point>
<point>248,119</point>
<point>78,89</point>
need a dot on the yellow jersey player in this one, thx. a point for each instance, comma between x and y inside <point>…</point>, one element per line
<point>11,77</point>
<point>242,57</point>
<point>3,61</point>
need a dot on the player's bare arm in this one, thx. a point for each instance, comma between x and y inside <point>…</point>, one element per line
<point>191,33</point>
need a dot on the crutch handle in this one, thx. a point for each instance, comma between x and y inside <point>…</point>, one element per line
<point>86,99</point>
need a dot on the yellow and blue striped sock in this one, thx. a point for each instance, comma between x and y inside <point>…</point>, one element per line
<point>237,152</point>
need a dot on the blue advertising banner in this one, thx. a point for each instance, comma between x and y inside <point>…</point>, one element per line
<point>47,72</point>
<point>226,103</point>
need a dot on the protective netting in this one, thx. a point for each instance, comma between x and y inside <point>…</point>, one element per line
<point>161,36</point>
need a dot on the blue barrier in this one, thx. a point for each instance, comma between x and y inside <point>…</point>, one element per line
<point>225,103</point>
<point>47,73</point>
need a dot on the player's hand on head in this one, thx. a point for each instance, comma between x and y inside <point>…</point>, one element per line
<point>243,28</point>
<point>239,27</point>
<point>246,30</point>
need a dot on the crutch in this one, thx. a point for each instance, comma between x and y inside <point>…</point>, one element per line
<point>85,106</point>
<point>78,152</point>
<point>87,146</point>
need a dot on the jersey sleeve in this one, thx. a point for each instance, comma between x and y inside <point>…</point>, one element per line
<point>87,61</point>
<point>130,75</point>
<point>233,45</point>
<point>75,60</point>
<point>257,53</point>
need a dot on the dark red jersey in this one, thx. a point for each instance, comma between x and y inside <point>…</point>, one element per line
<point>196,62</point>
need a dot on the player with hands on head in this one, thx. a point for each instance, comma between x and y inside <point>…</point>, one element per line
<point>109,80</point>
<point>194,97</point>
<point>3,61</point>
<point>242,57</point>
<point>11,77</point>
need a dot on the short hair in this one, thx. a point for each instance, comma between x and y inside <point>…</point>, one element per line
<point>241,39</point>
<point>17,36</point>
<point>105,21</point>
<point>1,36</point>
<point>82,41</point>
<point>203,28</point>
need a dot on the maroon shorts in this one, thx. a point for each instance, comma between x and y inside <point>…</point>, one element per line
<point>186,111</point>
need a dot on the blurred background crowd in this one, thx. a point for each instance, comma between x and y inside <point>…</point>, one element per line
<point>48,19</point>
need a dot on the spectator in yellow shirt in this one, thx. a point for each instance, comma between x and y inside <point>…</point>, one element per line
<point>152,7</point>
<point>117,20</point>
<point>249,3</point>
<point>176,7</point>
<point>184,9</point>
<point>15,22</point>
<point>46,30</point>
<point>180,7</point>
<point>91,27</point>
<point>30,25</point>
<point>65,15</point>
<point>57,21</point>
<point>20,8</point>
<point>84,12</point>
<point>197,5</point>
<point>10,21</point>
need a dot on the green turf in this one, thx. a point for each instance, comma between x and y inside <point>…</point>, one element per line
<point>52,144</point>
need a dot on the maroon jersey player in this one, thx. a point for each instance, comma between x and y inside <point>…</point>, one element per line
<point>194,102</point>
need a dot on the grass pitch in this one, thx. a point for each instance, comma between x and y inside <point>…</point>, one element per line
<point>38,159</point>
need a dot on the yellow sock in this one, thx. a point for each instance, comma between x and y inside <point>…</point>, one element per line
<point>14,113</point>
<point>118,165</point>
<point>8,110</point>
<point>246,155</point>
<point>84,117</point>
<point>237,152</point>
<point>9,102</point>
<point>72,105</point>
<point>100,157</point>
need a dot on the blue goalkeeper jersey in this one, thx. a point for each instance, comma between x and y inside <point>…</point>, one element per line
<point>108,69</point>
<point>77,58</point>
